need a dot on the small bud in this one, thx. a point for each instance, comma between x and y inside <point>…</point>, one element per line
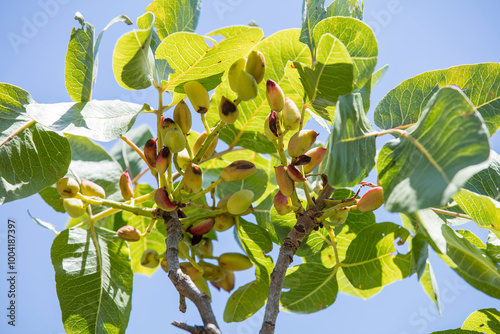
<point>234,261</point>
<point>238,170</point>
<point>275,96</point>
<point>90,188</point>
<point>285,183</point>
<point>201,227</point>
<point>175,140</point>
<point>150,151</point>
<point>198,95</point>
<point>164,265</point>
<point>234,71</point>
<point>316,155</point>
<point>223,222</point>
<point>67,187</point>
<point>183,159</point>
<point>188,269</point>
<point>228,111</point>
<point>281,205</point>
<point>199,142</point>
<point>193,178</point>
<point>182,116</point>
<point>303,159</point>
<point>227,283</point>
<point>256,65</point>
<point>246,87</point>
<point>290,115</point>
<point>206,247</point>
<point>129,233</point>
<point>271,126</point>
<point>211,272</point>
<point>371,200</point>
<point>295,174</point>
<point>163,160</point>
<point>300,142</point>
<point>162,200</point>
<point>150,259</point>
<point>74,207</point>
<point>126,186</point>
<point>240,202</point>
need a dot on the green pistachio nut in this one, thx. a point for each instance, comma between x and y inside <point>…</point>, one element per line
<point>188,269</point>
<point>206,247</point>
<point>234,261</point>
<point>211,272</point>
<point>162,200</point>
<point>246,87</point>
<point>285,183</point>
<point>201,140</point>
<point>74,207</point>
<point>198,95</point>
<point>234,71</point>
<point>89,188</point>
<point>67,187</point>
<point>164,265</point>
<point>240,202</point>
<point>182,116</point>
<point>256,65</point>
<point>228,111</point>
<point>175,140</point>
<point>126,186</point>
<point>183,159</point>
<point>150,259</point>
<point>338,218</point>
<point>300,142</point>
<point>193,178</point>
<point>281,204</point>
<point>294,173</point>
<point>290,115</point>
<point>316,154</point>
<point>163,160</point>
<point>223,222</point>
<point>271,125</point>
<point>129,233</point>
<point>227,283</point>
<point>238,170</point>
<point>275,95</point>
<point>371,200</point>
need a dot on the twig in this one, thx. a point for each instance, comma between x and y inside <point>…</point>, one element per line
<point>306,222</point>
<point>209,329</point>
<point>182,282</point>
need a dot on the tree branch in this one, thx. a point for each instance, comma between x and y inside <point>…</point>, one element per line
<point>306,222</point>
<point>208,329</point>
<point>182,282</point>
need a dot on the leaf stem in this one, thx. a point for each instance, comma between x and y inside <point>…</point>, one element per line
<point>15,133</point>
<point>333,239</point>
<point>141,174</point>
<point>186,222</point>
<point>137,150</point>
<point>205,124</point>
<point>451,213</point>
<point>203,192</point>
<point>150,227</point>
<point>147,212</point>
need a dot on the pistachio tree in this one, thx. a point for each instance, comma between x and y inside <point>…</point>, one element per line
<point>274,185</point>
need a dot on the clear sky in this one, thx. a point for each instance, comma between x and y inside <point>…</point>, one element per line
<point>413,37</point>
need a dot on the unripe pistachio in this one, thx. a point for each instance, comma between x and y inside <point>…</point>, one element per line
<point>89,188</point>
<point>228,111</point>
<point>199,142</point>
<point>316,154</point>
<point>165,125</point>
<point>164,265</point>
<point>201,227</point>
<point>281,204</point>
<point>182,116</point>
<point>234,71</point>
<point>238,170</point>
<point>150,151</point>
<point>188,269</point>
<point>206,247</point>
<point>295,174</point>
<point>198,95</point>
<point>193,178</point>
<point>150,259</point>
<point>223,222</point>
<point>275,95</point>
<point>74,207</point>
<point>126,186</point>
<point>240,202</point>
<point>129,233</point>
<point>271,126</point>
<point>290,115</point>
<point>303,159</point>
<point>183,159</point>
<point>67,187</point>
<point>234,261</point>
<point>285,183</point>
<point>371,200</point>
<point>222,204</point>
<point>227,283</point>
<point>163,160</point>
<point>175,140</point>
<point>162,200</point>
<point>337,218</point>
<point>256,65</point>
<point>211,272</point>
<point>246,87</point>
<point>300,142</point>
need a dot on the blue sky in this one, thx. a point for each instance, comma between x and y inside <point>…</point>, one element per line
<point>413,37</point>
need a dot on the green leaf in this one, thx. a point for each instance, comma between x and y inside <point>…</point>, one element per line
<point>174,15</point>
<point>248,130</point>
<point>485,321</point>
<point>419,254</point>
<point>359,41</point>
<point>465,259</point>
<point>350,8</point>
<point>472,238</point>
<point>198,61</point>
<point>333,66</point>
<point>81,58</point>
<point>417,173</point>
<point>351,156</point>
<point>486,181</point>
<point>404,104</point>
<point>93,280</point>
<point>430,286</point>
<point>250,298</point>
<point>125,155</point>
<point>313,11</point>
<point>370,261</point>
<point>312,288</point>
<point>98,120</point>
<point>133,60</point>
<point>484,210</point>
<point>367,88</point>
<point>32,160</point>
<point>493,247</point>
<point>13,116</point>
<point>455,331</point>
